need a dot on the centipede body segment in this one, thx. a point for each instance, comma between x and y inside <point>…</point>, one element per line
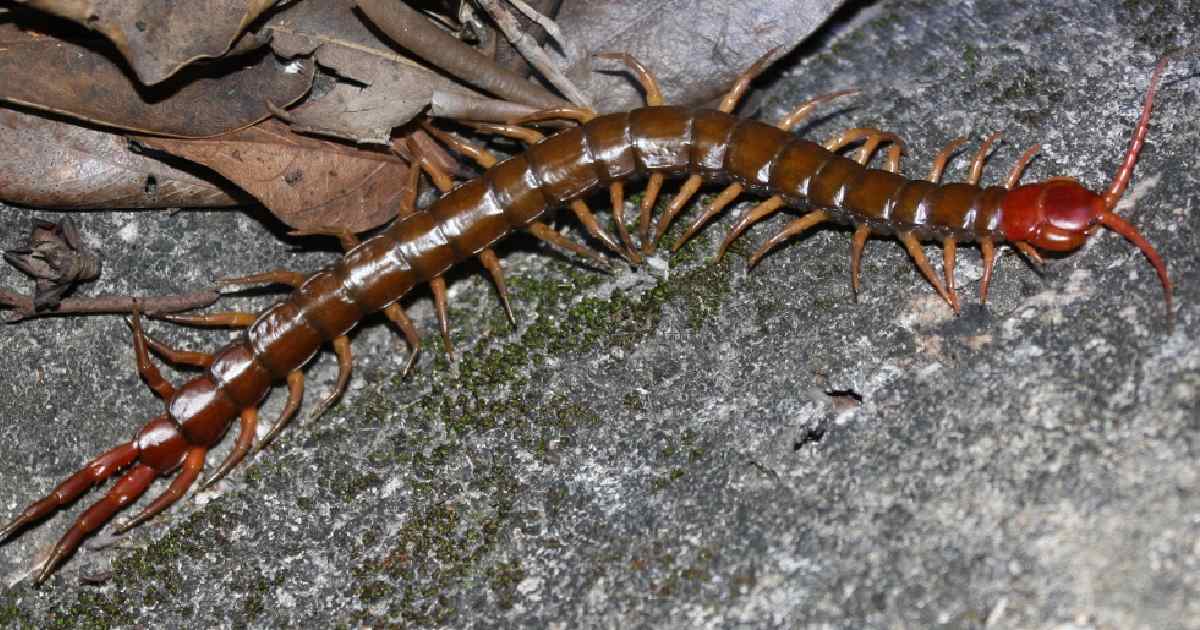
<point>604,152</point>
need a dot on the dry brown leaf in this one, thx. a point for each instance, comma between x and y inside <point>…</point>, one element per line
<point>78,81</point>
<point>696,48</point>
<point>385,89</point>
<point>158,37</point>
<point>54,164</point>
<point>306,182</point>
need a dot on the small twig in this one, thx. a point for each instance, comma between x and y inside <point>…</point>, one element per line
<point>22,305</point>
<point>459,106</point>
<point>415,32</point>
<point>533,52</point>
<point>550,26</point>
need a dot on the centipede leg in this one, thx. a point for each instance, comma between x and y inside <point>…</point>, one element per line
<point>480,155</point>
<point>145,365</point>
<point>578,114</point>
<point>689,188</point>
<point>487,257</point>
<point>548,234</point>
<point>392,311</point>
<point>279,276</point>
<point>131,486</point>
<point>654,96</point>
<point>441,307</point>
<point>516,132</point>
<point>92,474</point>
<point>943,158</point>
<point>749,218</point>
<point>795,227</point>
<point>175,356</point>
<point>1030,253</point>
<point>649,197</point>
<point>857,244</point>
<point>949,251</point>
<point>724,198</point>
<point>295,386</point>
<point>918,255</point>
<point>341,349</point>
<point>616,197</point>
<point>871,139</point>
<point>988,248</point>
<point>229,319</point>
<point>1014,176</point>
<point>582,212</point>
<point>492,263</point>
<point>247,428</point>
<point>980,158</point>
<point>401,320</point>
<point>742,83</point>
<point>188,473</point>
<point>805,109</point>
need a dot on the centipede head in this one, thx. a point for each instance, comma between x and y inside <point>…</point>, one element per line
<point>1059,214</point>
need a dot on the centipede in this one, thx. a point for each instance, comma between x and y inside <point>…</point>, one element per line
<point>654,143</point>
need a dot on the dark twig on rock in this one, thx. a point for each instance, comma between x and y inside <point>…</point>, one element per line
<point>22,306</point>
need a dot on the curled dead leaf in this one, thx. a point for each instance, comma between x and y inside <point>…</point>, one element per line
<point>55,164</point>
<point>379,89</point>
<point>158,37</point>
<point>57,259</point>
<point>308,183</point>
<point>80,81</point>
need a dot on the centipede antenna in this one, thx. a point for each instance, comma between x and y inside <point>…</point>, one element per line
<point>1125,172</point>
<point>1124,228</point>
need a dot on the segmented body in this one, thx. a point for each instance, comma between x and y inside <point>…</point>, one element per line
<point>520,190</point>
<point>654,141</point>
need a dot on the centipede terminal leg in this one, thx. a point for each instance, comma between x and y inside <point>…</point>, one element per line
<point>128,489</point>
<point>91,474</point>
<point>193,464</point>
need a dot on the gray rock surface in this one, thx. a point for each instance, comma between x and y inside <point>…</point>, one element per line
<point>691,445</point>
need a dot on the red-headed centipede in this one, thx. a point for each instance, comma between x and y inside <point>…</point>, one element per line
<point>656,141</point>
